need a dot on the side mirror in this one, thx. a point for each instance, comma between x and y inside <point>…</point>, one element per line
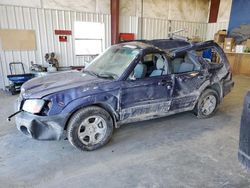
<point>132,76</point>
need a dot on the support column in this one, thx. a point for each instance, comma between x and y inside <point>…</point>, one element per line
<point>214,10</point>
<point>114,9</point>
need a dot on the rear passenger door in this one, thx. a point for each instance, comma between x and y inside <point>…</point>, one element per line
<point>189,76</point>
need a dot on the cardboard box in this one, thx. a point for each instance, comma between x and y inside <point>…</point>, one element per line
<point>229,41</point>
<point>240,48</point>
<point>222,32</point>
<point>233,49</point>
<point>219,38</point>
<point>221,45</point>
<point>227,49</point>
<point>229,44</point>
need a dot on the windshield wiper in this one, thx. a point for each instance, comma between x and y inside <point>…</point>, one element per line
<point>108,75</point>
<point>92,73</point>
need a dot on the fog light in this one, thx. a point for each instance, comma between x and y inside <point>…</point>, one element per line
<point>25,130</point>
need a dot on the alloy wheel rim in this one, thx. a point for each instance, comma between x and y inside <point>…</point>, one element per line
<point>208,105</point>
<point>92,130</point>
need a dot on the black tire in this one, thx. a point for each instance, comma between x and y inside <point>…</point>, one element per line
<point>76,121</point>
<point>12,89</point>
<point>198,111</point>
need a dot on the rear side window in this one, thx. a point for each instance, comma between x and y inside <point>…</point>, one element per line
<point>210,55</point>
<point>187,63</point>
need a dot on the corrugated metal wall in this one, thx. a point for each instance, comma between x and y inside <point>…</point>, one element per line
<point>192,29</point>
<point>129,24</point>
<point>45,21</point>
<point>153,28</point>
<point>212,28</point>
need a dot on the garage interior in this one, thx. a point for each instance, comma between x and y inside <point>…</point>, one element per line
<point>174,151</point>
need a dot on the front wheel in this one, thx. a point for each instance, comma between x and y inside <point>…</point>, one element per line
<point>12,89</point>
<point>207,104</point>
<point>90,128</point>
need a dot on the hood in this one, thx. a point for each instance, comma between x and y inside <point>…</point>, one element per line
<point>55,82</point>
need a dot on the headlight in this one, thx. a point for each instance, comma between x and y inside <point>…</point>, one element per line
<point>33,105</point>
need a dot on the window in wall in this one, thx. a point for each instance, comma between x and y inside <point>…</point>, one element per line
<point>89,38</point>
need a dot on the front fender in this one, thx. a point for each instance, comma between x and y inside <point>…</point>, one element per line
<point>104,99</point>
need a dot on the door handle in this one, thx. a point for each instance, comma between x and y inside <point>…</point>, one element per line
<point>165,83</point>
<point>162,82</point>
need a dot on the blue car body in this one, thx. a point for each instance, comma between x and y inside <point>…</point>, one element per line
<point>125,100</point>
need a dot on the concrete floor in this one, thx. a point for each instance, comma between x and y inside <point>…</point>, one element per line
<point>176,151</point>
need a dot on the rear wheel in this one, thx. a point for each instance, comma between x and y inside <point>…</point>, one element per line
<point>90,128</point>
<point>207,104</point>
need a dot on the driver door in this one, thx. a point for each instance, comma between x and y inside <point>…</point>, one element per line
<point>150,95</point>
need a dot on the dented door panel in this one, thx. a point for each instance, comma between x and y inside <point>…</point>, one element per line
<point>146,96</point>
<point>186,90</point>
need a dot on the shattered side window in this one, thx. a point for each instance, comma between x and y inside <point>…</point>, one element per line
<point>210,55</point>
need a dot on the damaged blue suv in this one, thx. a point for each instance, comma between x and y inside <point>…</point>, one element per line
<point>129,82</point>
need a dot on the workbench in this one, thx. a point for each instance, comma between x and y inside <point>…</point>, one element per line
<point>239,62</point>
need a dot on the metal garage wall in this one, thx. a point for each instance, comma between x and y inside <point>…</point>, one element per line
<point>44,22</point>
<point>192,28</point>
<point>153,28</point>
<point>129,24</point>
<point>212,28</point>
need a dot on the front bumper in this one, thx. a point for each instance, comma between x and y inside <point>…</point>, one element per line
<point>41,127</point>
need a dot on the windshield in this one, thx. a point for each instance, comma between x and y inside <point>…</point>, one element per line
<point>113,62</point>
